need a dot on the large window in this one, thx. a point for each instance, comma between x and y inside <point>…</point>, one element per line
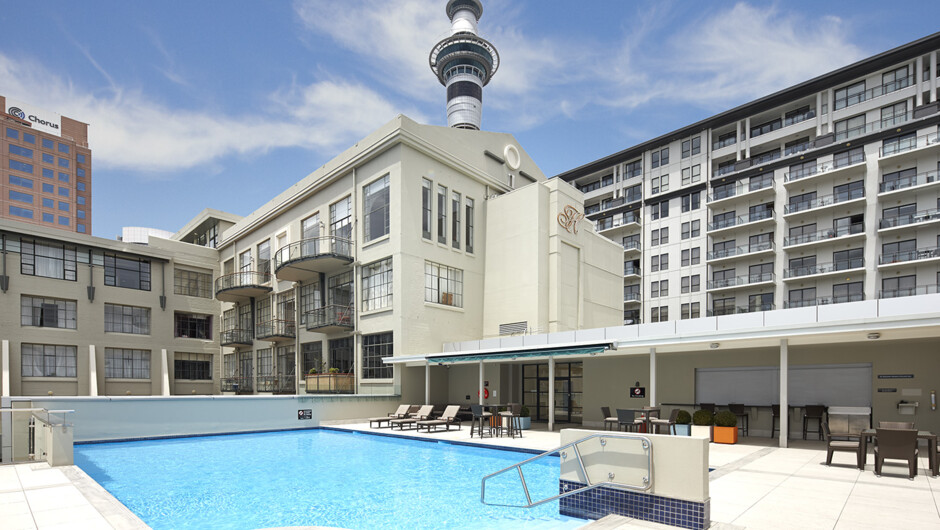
<point>264,257</point>
<point>443,284</point>
<point>468,244</point>
<point>341,354</point>
<point>442,214</point>
<point>192,326</point>
<point>375,203</point>
<point>130,273</point>
<point>48,312</point>
<point>192,283</point>
<point>850,95</point>
<point>123,363</point>
<point>194,366</point>
<point>126,319</point>
<point>341,226</point>
<point>47,260</point>
<point>426,214</point>
<point>48,360</point>
<point>377,285</point>
<point>312,356</point>
<point>311,298</point>
<point>374,349</point>
<point>455,219</point>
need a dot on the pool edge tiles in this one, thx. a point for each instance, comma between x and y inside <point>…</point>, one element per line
<point>602,501</point>
<point>525,450</point>
<point>195,435</point>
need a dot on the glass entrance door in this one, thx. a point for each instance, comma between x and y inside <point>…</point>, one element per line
<point>568,391</point>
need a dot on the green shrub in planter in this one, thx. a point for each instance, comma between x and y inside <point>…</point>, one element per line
<point>726,418</point>
<point>703,417</point>
<point>524,412</point>
<point>683,418</point>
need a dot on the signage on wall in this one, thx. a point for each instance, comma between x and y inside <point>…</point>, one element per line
<point>568,219</point>
<point>895,376</point>
<point>41,120</point>
<point>638,391</point>
<point>887,390</point>
<point>305,414</point>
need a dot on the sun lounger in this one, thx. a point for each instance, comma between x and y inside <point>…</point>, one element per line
<point>424,413</point>
<point>400,413</point>
<point>448,418</point>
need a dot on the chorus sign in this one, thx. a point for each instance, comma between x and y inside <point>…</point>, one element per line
<point>42,120</point>
<point>568,219</point>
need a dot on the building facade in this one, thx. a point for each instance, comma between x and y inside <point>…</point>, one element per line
<point>822,193</point>
<point>46,165</point>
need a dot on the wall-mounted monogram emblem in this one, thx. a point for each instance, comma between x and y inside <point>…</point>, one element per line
<point>568,219</point>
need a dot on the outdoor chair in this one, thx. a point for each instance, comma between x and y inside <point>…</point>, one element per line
<point>896,444</point>
<point>424,413</point>
<point>516,409</point>
<point>895,424</point>
<point>448,418</point>
<point>775,419</point>
<point>839,445</point>
<point>400,413</point>
<point>670,423</point>
<point>741,412</point>
<point>710,407</point>
<point>507,422</point>
<point>813,412</point>
<point>627,420</point>
<point>609,420</point>
<point>481,419</point>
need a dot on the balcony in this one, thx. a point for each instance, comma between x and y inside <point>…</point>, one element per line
<point>631,297</point>
<point>742,220</point>
<point>822,236</point>
<point>838,165</point>
<point>791,304</point>
<point>276,330</point>
<point>921,180</point>
<point>632,246</point>
<point>736,310</point>
<point>331,319</point>
<point>766,247</point>
<point>825,269</point>
<point>872,93</point>
<point>236,337</point>
<point>740,281</point>
<point>916,218</point>
<point>277,384</point>
<point>823,202</point>
<point>238,385</point>
<point>629,270</point>
<point>241,286</point>
<point>306,259</point>
<point>740,189</point>
<point>893,150</point>
<point>624,219</point>
<point>913,291</point>
<point>907,256</point>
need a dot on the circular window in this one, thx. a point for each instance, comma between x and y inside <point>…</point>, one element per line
<point>513,159</point>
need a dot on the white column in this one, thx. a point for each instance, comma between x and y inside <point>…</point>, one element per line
<point>92,371</point>
<point>784,408</point>
<point>427,383</point>
<point>918,72</point>
<point>652,377</point>
<point>165,386</point>
<point>551,394</point>
<point>480,391</point>
<point>934,71</point>
<point>5,368</point>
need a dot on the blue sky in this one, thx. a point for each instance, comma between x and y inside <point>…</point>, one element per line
<point>225,103</point>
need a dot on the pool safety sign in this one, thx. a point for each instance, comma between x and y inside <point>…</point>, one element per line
<point>638,391</point>
<point>305,414</point>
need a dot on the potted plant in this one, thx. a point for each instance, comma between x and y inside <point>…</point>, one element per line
<point>334,370</point>
<point>683,419</point>
<point>726,427</point>
<point>524,421</point>
<point>702,422</point>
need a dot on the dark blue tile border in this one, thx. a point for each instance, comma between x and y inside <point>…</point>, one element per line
<point>603,501</point>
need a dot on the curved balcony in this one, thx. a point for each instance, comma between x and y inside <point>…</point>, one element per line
<point>306,259</point>
<point>240,286</point>
<point>276,330</point>
<point>236,337</point>
<point>331,319</point>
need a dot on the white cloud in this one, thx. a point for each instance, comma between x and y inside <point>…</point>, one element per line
<point>130,131</point>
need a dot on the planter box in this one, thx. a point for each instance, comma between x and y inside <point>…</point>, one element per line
<point>330,383</point>
<point>702,431</point>
<point>683,429</point>
<point>524,423</point>
<point>726,435</point>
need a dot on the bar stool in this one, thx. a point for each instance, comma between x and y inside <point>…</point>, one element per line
<point>738,410</point>
<point>516,409</point>
<point>608,419</point>
<point>775,420</point>
<point>481,418</point>
<point>813,412</point>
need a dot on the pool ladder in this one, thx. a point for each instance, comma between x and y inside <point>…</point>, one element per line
<point>562,451</point>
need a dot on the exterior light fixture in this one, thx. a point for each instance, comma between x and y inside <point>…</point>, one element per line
<point>874,336</point>
<point>714,345</point>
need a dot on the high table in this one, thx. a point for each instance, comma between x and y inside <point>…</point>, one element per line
<point>649,411</point>
<point>867,434</point>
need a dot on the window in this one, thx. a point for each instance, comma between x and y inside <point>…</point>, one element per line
<point>691,256</point>
<point>795,116</point>
<point>659,184</point>
<point>311,355</point>
<point>80,228</point>
<point>848,192</point>
<point>848,259</point>
<point>20,151</point>
<point>48,218</point>
<point>654,289</point>
<point>654,238</point>
<point>899,179</point>
<point>899,251</point>
<point>761,211</point>
<point>691,284</point>
<point>723,306</point>
<point>21,212</point>
<point>64,192</point>
<point>47,260</point>
<point>310,299</point>
<point>691,147</point>
<point>80,214</point>
<point>64,206</point>
<point>766,156</point>
<point>341,354</point>
<point>375,348</point>
<point>48,312</point>
<point>192,326</point>
<point>850,127</point>
<point>48,188</point>
<point>894,80</point>
<point>426,213</point>
<point>899,144</point>
<point>20,181</point>
<point>13,133</point>
<point>375,205</point>
<point>468,244</point>
<point>341,226</point>
<point>801,202</point>
<point>80,158</point>
<point>80,186</point>
<point>377,285</point>
<point>660,157</point>
<point>48,360</point>
<point>48,159</point>
<point>633,169</point>
<point>760,302</point>
<point>847,292</point>
<point>766,127</point>
<point>690,311</point>
<point>660,210</point>
<point>850,95</point>
<point>664,288</point>
<point>64,148</point>
<point>848,158</point>
<point>691,174</point>
<point>20,197</point>
<point>29,138</point>
<point>894,114</point>
<point>760,242</point>
<point>723,220</point>
<point>455,219</point>
<point>80,200</point>
<point>443,284</point>
<point>763,272</point>
<point>796,146</point>
<point>725,167</point>
<point>659,314</point>
<point>634,193</point>
<point>690,202</point>
<point>442,214</point>
<point>660,262</point>
<point>122,363</point>
<point>126,319</point>
<point>726,140</point>
<point>899,286</point>
<point>802,297</point>
<point>64,177</point>
<point>63,162</point>
<point>192,366</point>
<point>192,283</point>
<point>129,273</point>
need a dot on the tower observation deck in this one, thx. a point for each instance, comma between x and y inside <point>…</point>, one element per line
<point>464,63</point>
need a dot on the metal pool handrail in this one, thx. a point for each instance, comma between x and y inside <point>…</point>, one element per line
<point>647,480</point>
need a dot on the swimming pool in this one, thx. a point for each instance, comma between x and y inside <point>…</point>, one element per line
<point>318,477</point>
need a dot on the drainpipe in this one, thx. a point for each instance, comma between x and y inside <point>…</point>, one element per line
<point>162,286</point>
<point>551,393</point>
<point>4,279</point>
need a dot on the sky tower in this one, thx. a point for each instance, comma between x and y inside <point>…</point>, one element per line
<point>464,63</point>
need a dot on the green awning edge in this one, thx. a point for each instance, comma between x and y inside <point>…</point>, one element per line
<point>517,354</point>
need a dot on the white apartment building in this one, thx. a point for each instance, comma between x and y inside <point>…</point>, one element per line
<point>822,193</point>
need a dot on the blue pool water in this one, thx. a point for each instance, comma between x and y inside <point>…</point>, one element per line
<point>319,477</point>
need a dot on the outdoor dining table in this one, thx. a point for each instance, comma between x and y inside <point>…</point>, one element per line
<point>649,412</point>
<point>868,434</point>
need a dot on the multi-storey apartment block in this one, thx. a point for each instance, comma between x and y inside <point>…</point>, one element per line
<point>45,165</point>
<point>822,193</point>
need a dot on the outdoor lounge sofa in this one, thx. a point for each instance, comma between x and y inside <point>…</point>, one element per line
<point>424,413</point>
<point>448,418</point>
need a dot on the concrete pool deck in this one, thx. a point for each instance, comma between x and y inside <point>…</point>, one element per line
<point>754,485</point>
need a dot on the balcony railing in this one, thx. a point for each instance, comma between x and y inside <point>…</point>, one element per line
<point>790,304</point>
<point>249,280</point>
<point>908,144</point>
<point>736,310</point>
<point>857,297</point>
<point>797,118</point>
<point>750,279</point>
<point>630,270</point>
<point>239,385</point>
<point>824,234</point>
<point>740,251</point>
<point>908,182</point>
<point>740,220</point>
<point>909,255</point>
<point>908,219</point>
<point>824,268</point>
<point>631,245</point>
<point>821,202</point>
<point>911,291</point>
<point>740,188</point>
<point>236,336</point>
<point>276,329</point>
<point>871,93</point>
<point>331,316</point>
<point>718,144</point>
<point>299,260</point>
<point>277,384</point>
<point>617,220</point>
<point>631,296</point>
